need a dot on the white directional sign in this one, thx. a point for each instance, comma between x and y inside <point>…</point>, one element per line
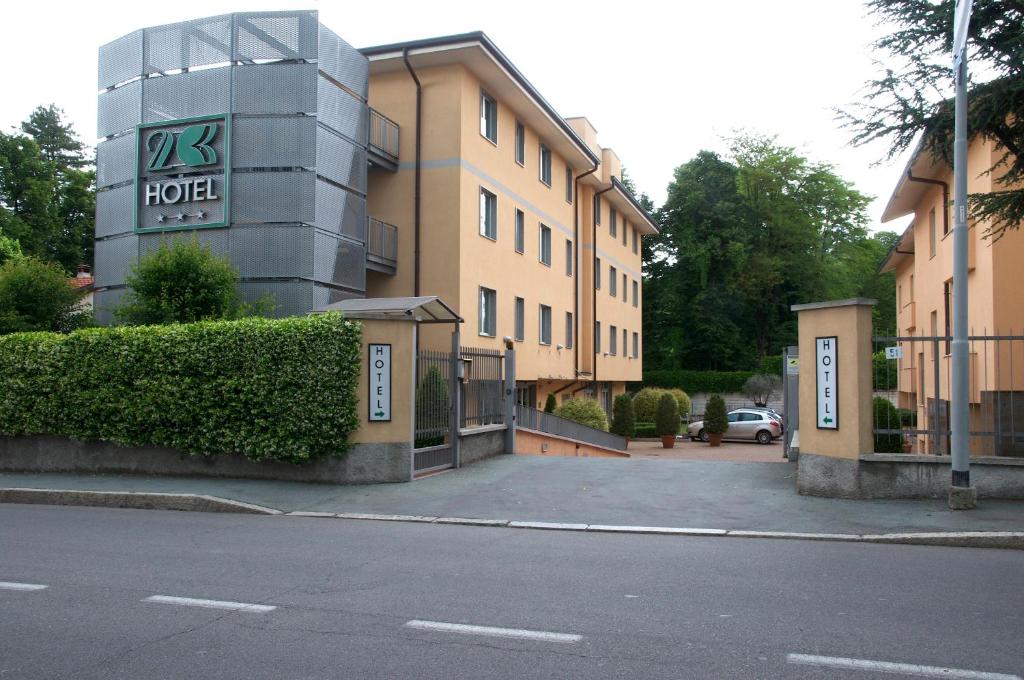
<point>827,369</point>
<point>380,382</point>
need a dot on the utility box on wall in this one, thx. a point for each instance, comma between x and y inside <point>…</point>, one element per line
<point>247,130</point>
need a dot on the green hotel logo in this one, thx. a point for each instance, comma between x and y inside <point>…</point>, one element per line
<point>193,147</point>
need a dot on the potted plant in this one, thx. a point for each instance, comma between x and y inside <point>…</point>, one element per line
<point>623,417</point>
<point>667,420</point>
<point>716,422</point>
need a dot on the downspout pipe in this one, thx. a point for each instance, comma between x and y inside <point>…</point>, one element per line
<point>416,189</point>
<point>594,319</point>
<point>579,280</point>
<point>945,196</point>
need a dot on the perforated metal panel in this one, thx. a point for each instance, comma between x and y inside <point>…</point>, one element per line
<point>341,111</point>
<point>115,160</point>
<point>187,44</point>
<point>341,161</point>
<point>184,95</point>
<point>338,260</point>
<point>291,298</point>
<point>276,35</point>
<point>272,251</point>
<point>340,211</point>
<point>119,110</point>
<point>104,302</point>
<point>113,258</point>
<point>275,88</point>
<point>114,213</point>
<point>272,197</point>
<point>285,142</point>
<point>343,62</point>
<point>218,240</point>
<point>120,60</point>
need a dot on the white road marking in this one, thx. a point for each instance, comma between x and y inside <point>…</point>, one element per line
<point>900,668</point>
<point>211,604</point>
<point>9,585</point>
<point>517,633</point>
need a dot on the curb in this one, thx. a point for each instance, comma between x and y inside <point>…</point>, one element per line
<point>1007,540</point>
<point>132,499</point>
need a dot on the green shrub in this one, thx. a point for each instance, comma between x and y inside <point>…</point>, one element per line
<point>716,420</point>
<point>550,404</point>
<point>10,248</point>
<point>667,420</point>
<point>585,412</point>
<point>267,389</point>
<point>885,373</point>
<point>183,281</point>
<point>908,418</point>
<point>645,404</point>
<point>36,296</point>
<point>760,388</point>
<point>698,381</point>
<point>887,417</point>
<point>771,364</point>
<point>623,417</point>
<point>645,431</point>
<point>683,400</point>
<point>432,406</point>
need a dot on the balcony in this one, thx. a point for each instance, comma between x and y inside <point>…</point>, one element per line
<point>381,246</point>
<point>382,142</point>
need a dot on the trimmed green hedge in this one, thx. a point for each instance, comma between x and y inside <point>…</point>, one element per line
<point>698,381</point>
<point>280,390</point>
<point>645,431</point>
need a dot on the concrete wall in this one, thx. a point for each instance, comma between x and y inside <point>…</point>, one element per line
<point>481,442</point>
<point>533,443</point>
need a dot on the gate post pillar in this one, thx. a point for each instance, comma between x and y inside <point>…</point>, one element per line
<point>455,389</point>
<point>510,396</point>
<point>835,391</point>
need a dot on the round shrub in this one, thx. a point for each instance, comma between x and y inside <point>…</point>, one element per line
<point>716,421</point>
<point>550,404</point>
<point>645,404</point>
<point>35,296</point>
<point>585,412</point>
<point>623,418</point>
<point>667,419</point>
<point>887,417</point>
<point>683,400</point>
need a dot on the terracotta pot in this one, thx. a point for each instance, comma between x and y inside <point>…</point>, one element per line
<point>715,438</point>
<point>668,441</point>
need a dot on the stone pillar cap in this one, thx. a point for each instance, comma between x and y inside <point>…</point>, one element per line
<point>833,303</point>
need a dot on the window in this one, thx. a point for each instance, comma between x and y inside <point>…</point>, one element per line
<point>636,293</point>
<point>488,312</point>
<point>636,241</point>
<point>520,231</point>
<point>899,295</point>
<point>636,344</point>
<point>520,319</point>
<point>931,233</point>
<point>911,287</point>
<point>625,231</point>
<point>568,257</point>
<point>520,143</point>
<point>597,273</point>
<point>613,282</point>
<point>624,288</point>
<point>568,185</point>
<point>597,209</point>
<point>624,345</point>
<point>597,337</point>
<point>545,165</point>
<point>545,325</point>
<point>569,330</point>
<point>612,218</point>
<point>613,340</point>
<point>488,117</point>
<point>545,245</point>
<point>488,214</point>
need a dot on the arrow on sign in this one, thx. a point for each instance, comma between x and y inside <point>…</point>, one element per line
<point>826,420</point>
<point>379,414</point>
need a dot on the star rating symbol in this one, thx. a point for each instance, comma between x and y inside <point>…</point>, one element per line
<point>200,215</point>
<point>161,217</point>
<point>180,217</point>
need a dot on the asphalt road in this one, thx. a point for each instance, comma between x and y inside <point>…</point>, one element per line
<point>335,600</point>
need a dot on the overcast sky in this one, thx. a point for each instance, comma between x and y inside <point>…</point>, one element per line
<point>660,80</point>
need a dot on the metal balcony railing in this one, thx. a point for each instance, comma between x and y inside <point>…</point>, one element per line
<point>382,242</point>
<point>383,136</point>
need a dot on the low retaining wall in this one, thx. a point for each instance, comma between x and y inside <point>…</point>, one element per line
<point>884,475</point>
<point>532,443</point>
<point>363,464</point>
<point>477,443</point>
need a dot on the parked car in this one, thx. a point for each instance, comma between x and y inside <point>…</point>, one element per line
<point>756,424</point>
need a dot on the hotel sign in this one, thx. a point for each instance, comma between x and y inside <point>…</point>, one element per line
<point>182,176</point>
<point>826,351</point>
<point>379,371</point>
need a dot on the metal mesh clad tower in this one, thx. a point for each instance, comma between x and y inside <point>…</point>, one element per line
<point>247,130</point>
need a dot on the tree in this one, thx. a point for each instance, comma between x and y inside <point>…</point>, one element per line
<point>645,404</point>
<point>910,99</point>
<point>666,421</point>
<point>887,417</point>
<point>9,248</point>
<point>716,420</point>
<point>182,282</point>
<point>683,400</point>
<point>56,139</point>
<point>760,388</point>
<point>585,412</point>
<point>433,404</point>
<point>623,417</point>
<point>550,403</point>
<point>36,296</point>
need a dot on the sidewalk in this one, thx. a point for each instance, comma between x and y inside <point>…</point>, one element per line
<point>637,492</point>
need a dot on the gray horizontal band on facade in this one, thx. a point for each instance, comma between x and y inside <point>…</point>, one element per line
<point>211,67</point>
<point>547,219</point>
<point>611,260</point>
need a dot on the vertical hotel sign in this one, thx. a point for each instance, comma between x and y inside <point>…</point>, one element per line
<point>380,383</point>
<point>826,351</point>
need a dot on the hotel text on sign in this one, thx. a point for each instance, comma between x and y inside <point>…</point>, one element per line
<point>380,382</point>
<point>826,351</point>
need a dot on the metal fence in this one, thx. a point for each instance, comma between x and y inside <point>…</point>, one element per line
<point>482,387</point>
<point>912,379</point>
<point>533,419</point>
<point>433,398</point>
<point>382,241</point>
<point>383,137</point>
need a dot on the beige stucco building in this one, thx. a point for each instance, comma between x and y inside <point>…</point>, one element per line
<point>923,264</point>
<point>516,217</point>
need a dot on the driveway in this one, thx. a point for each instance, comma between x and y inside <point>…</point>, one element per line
<point>733,452</point>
